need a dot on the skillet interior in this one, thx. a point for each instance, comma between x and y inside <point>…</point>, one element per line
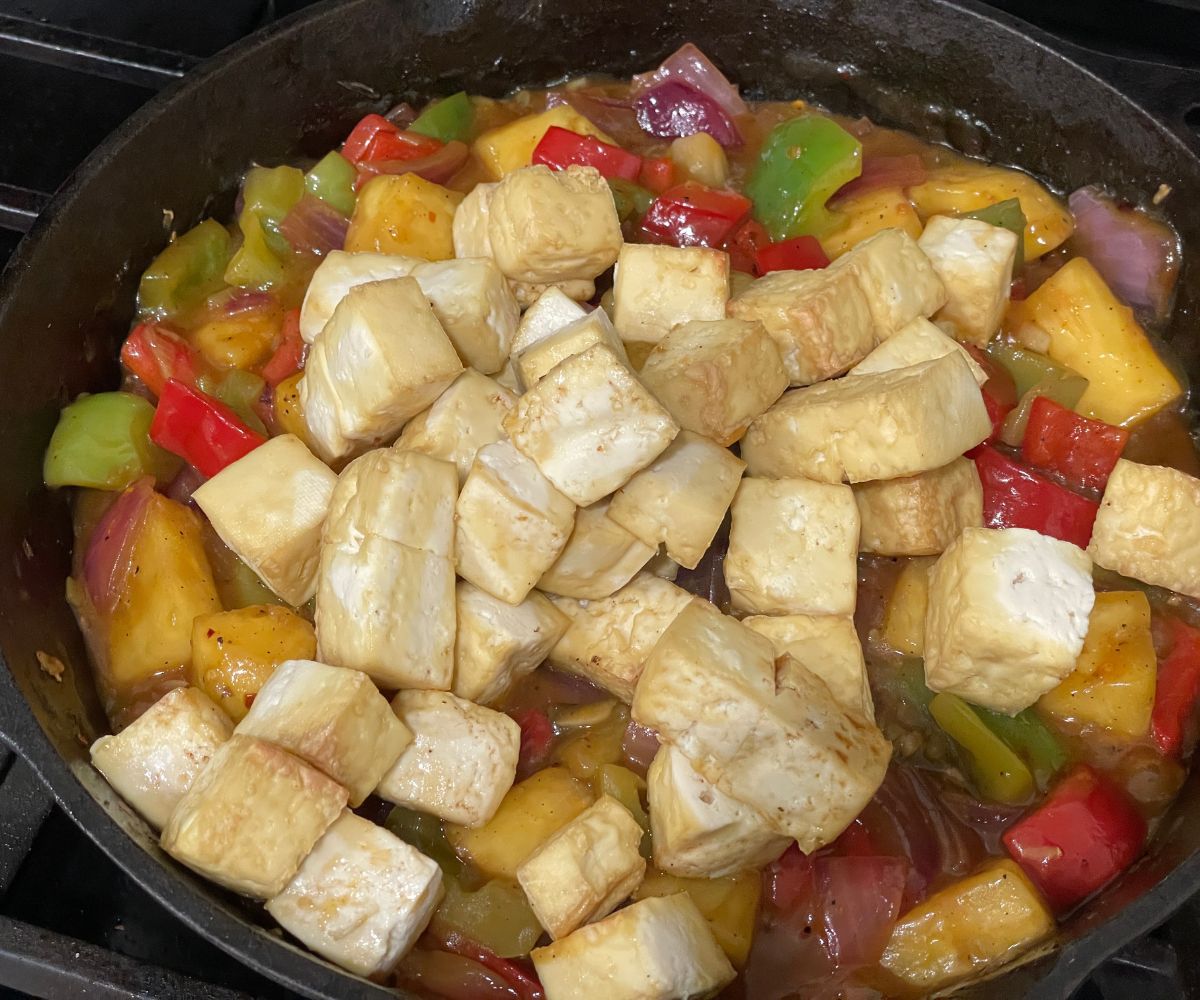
<point>944,72</point>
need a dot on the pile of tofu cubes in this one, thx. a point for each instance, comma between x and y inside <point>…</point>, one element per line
<point>511,489</point>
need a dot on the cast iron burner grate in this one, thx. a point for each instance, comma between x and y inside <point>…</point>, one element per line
<point>71,922</point>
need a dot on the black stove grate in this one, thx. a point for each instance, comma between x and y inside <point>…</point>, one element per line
<point>71,922</point>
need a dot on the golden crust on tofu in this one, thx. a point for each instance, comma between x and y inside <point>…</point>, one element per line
<point>898,280</point>
<point>919,341</point>
<point>919,515</point>
<point>552,310</point>
<point>337,273</point>
<point>975,262</point>
<point>535,361</point>
<point>656,288</point>
<point>600,557</point>
<point>473,302</point>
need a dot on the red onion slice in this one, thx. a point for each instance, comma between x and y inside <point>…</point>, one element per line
<point>672,110</point>
<point>437,167</point>
<point>691,66</point>
<point>312,226</point>
<point>110,549</point>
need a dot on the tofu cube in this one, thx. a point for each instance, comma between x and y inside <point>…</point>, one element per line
<point>498,644</point>
<point>820,320</point>
<point>919,341</point>
<point>553,225</point>
<point>385,593</point>
<point>716,376</point>
<point>470,230</point>
<point>919,515</point>
<point>680,498</point>
<point>900,282</point>
<point>879,426</point>
<point>337,273</point>
<point>1148,527</point>
<point>547,314</point>
<point>477,309</point>
<point>155,759</point>
<point>586,869</point>
<point>793,548</point>
<point>600,557</point>
<point>461,762</point>
<point>655,288</point>
<point>826,646</point>
<point>333,718</point>
<point>1008,612</point>
<point>403,214</point>
<point>576,289</point>
<point>608,640</point>
<point>269,507</point>
<point>251,816</point>
<point>511,523</point>
<point>699,831</point>
<point>590,425</point>
<point>975,262</point>
<point>381,359</point>
<point>462,420</point>
<point>659,948</point>
<point>792,753</point>
<point>361,898</point>
<point>536,360</point>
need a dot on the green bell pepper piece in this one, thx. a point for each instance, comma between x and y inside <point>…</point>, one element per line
<point>1031,739</point>
<point>497,916</point>
<point>332,180</point>
<point>1007,215</point>
<point>103,442</point>
<point>999,774</point>
<point>632,200</point>
<point>426,834</point>
<point>270,193</point>
<point>1065,389</point>
<point>186,272</point>
<point>255,264</point>
<point>1026,367</point>
<point>448,119</point>
<point>239,390</point>
<point>802,163</point>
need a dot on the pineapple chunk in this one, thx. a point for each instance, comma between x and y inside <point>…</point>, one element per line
<point>404,214</point>
<point>904,615</point>
<point>240,341</point>
<point>729,904</point>
<point>509,147</point>
<point>867,214</point>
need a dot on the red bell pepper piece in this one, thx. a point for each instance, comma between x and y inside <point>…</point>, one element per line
<point>802,253</point>
<point>290,355</point>
<point>1015,497</point>
<point>691,215</point>
<point>999,391</point>
<point>1085,833</point>
<point>1177,690</point>
<point>1082,451</point>
<point>537,733</point>
<point>376,138</point>
<point>560,147</point>
<point>154,354</point>
<point>657,173</point>
<point>199,429</point>
<point>744,244</point>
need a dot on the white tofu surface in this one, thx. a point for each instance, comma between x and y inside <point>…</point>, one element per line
<point>975,262</point>
<point>899,280</point>
<point>337,273</point>
<point>658,287</point>
<point>600,557</point>
<point>919,341</point>
<point>549,313</point>
<point>471,219</point>
<point>476,307</point>
<point>535,361</point>
<point>919,515</point>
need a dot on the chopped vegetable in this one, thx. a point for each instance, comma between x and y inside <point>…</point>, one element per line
<point>1084,452</point>
<point>201,430</point>
<point>673,109</point>
<point>509,147</point>
<point>559,149</point>
<point>895,172</point>
<point>632,200</point>
<point>690,215</point>
<point>241,392</point>
<point>332,180</point>
<point>376,138</point>
<point>154,354</point>
<point>1016,497</point>
<point>186,272</point>
<point>405,215</point>
<point>521,982</point>
<point>1083,835</point>
<point>242,340</point>
<point>689,65</point>
<point>255,264</point>
<point>537,738</point>
<point>427,835</point>
<point>269,194</point>
<point>1178,689</point>
<point>1028,369</point>
<point>449,119</point>
<point>699,157</point>
<point>287,410</point>
<point>597,745</point>
<point>624,786</point>
<point>999,774</point>
<point>999,391</point>
<point>743,246</point>
<point>861,216</point>
<point>497,916</point>
<point>314,227</point>
<point>1030,738</point>
<point>1007,215</point>
<point>904,614</point>
<point>729,904</point>
<point>438,167</point>
<point>658,173</point>
<point>801,253</point>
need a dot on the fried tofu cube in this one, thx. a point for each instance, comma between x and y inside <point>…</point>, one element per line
<point>590,425</point>
<point>919,515</point>
<point>656,288</point>
<point>333,718</point>
<point>553,225</point>
<point>819,320</point>
<point>361,898</point>
<point>269,507</point>
<point>155,759</point>
<point>510,147</point>
<point>826,646</point>
<point>659,948</point>
<point>608,640</point>
<point>403,214</point>
<point>793,548</point>
<point>716,376</point>
<point>470,229</point>
<point>461,762</point>
<point>585,870</point>
<point>576,289</point>
<point>1148,527</point>
<point>790,752</point>
<point>699,831</point>
<point>385,593</point>
<point>536,360</point>
<point>898,279</point>
<point>600,557</point>
<point>499,643</point>
<point>919,341</point>
<point>680,498</point>
<point>1008,612</point>
<point>879,426</point>
<point>975,262</point>
<point>381,359</point>
<point>477,309</point>
<point>251,816</point>
<point>512,524</point>
<point>547,314</point>
<point>462,420</point>
<point>337,273</point>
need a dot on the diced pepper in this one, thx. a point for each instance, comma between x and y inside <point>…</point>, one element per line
<point>1027,368</point>
<point>861,216</point>
<point>376,138</point>
<point>624,786</point>
<point>497,915</point>
<point>1084,834</point>
<point>406,215</point>
<point>658,173</point>
<point>449,119</point>
<point>537,736</point>
<point>1082,451</point>
<point>103,442</point>
<point>154,354</point>
<point>999,774</point>
<point>1178,689</point>
<point>802,163</point>
<point>427,835</point>
<point>240,391</point>
<point>560,148</point>
<point>270,193</point>
<point>999,391</point>
<point>332,180</point>
<point>744,244</point>
<point>728,904</point>
<point>690,215</point>
<point>1016,497</point>
<point>255,264</point>
<point>631,200</point>
<point>188,271</point>
<point>904,614</point>
<point>1030,738</point>
<point>510,147</point>
<point>204,432</point>
<point>290,354</point>
<point>801,253</point>
<point>1008,215</point>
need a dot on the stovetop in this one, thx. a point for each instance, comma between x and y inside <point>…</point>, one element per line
<point>72,924</point>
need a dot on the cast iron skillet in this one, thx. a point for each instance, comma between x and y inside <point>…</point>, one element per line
<point>950,73</point>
